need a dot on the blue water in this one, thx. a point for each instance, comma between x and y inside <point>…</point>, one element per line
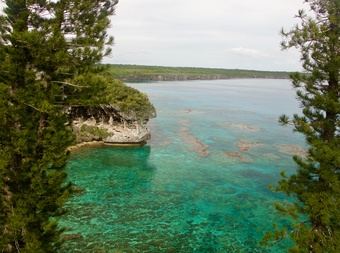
<point>201,182</point>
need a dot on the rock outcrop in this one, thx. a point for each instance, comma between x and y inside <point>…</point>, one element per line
<point>109,124</point>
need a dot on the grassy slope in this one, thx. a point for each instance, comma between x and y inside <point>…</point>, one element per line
<point>144,73</point>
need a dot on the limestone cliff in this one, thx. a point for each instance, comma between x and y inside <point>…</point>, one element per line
<point>110,124</point>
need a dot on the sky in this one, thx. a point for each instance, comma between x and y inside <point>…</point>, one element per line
<point>231,34</point>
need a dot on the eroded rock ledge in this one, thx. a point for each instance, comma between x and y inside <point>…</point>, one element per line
<point>109,124</point>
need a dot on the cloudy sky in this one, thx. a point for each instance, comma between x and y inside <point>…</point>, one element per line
<point>241,34</point>
<point>231,34</point>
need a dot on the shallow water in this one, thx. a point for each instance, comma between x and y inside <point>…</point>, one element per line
<point>201,182</point>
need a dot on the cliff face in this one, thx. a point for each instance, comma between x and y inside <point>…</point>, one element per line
<point>109,124</point>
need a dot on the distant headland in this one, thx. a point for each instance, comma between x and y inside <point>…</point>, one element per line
<point>138,73</point>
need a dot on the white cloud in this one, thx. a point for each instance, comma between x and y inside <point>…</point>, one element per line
<point>217,33</point>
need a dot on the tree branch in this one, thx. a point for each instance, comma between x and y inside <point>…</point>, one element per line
<point>70,84</point>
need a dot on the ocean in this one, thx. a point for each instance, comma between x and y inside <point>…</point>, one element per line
<point>200,184</point>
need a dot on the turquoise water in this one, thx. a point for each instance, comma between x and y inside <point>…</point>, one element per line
<point>201,182</point>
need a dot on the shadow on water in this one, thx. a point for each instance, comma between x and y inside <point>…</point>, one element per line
<point>116,166</point>
<point>112,181</point>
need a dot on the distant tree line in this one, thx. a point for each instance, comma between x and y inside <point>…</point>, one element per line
<point>159,73</point>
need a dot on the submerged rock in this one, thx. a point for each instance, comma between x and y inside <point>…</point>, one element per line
<point>108,123</point>
<point>71,236</point>
<point>238,156</point>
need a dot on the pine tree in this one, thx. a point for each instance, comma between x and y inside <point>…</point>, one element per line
<point>316,184</point>
<point>47,54</point>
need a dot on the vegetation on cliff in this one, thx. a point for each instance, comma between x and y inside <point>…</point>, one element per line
<point>128,99</point>
<point>105,89</point>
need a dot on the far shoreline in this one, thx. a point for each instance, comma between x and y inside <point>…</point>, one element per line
<point>142,73</point>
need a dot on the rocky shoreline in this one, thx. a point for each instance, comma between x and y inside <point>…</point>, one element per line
<point>98,144</point>
<point>86,144</point>
<point>109,125</point>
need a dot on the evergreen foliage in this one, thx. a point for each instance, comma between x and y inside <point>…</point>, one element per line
<point>316,185</point>
<point>47,52</point>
